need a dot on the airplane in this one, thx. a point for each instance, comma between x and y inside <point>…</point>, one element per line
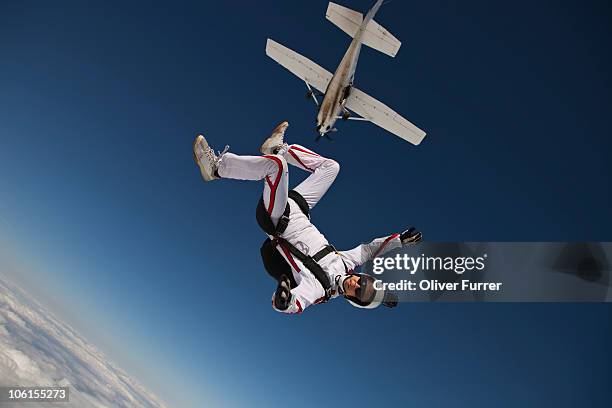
<point>340,96</point>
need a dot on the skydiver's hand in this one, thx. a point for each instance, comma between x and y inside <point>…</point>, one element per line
<point>411,236</point>
<point>282,296</point>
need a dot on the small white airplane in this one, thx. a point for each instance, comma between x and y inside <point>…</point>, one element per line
<point>340,95</point>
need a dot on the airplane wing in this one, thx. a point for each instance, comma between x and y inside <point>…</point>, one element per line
<point>300,66</point>
<point>383,116</point>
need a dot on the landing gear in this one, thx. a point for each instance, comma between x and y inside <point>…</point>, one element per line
<point>346,115</point>
<point>309,94</point>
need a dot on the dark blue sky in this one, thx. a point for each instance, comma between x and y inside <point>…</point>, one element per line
<point>102,203</point>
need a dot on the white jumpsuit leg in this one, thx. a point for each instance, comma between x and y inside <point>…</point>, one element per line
<point>324,172</point>
<point>270,168</point>
<point>273,170</point>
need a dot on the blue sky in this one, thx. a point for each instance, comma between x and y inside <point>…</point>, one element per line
<point>104,210</point>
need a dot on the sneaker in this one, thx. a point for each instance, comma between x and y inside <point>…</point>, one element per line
<point>411,236</point>
<point>205,158</point>
<point>274,143</point>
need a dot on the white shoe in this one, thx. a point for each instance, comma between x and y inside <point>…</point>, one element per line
<point>275,142</point>
<point>206,158</point>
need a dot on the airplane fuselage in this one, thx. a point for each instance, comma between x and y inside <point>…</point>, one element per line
<point>339,87</point>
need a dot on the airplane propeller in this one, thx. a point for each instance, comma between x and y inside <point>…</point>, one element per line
<point>326,134</point>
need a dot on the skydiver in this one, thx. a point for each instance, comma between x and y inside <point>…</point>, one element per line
<point>308,269</point>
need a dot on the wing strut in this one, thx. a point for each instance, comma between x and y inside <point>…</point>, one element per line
<point>311,93</point>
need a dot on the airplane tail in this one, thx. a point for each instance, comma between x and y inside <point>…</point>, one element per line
<point>374,35</point>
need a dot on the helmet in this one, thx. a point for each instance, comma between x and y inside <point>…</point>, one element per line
<point>366,296</point>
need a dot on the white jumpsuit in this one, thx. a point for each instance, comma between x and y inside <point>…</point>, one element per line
<point>301,232</point>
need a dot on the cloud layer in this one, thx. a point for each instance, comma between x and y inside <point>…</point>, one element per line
<point>36,349</point>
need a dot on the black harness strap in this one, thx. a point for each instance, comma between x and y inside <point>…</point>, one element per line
<point>300,201</point>
<point>264,221</point>
<point>263,218</point>
<point>327,249</point>
<point>311,264</point>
